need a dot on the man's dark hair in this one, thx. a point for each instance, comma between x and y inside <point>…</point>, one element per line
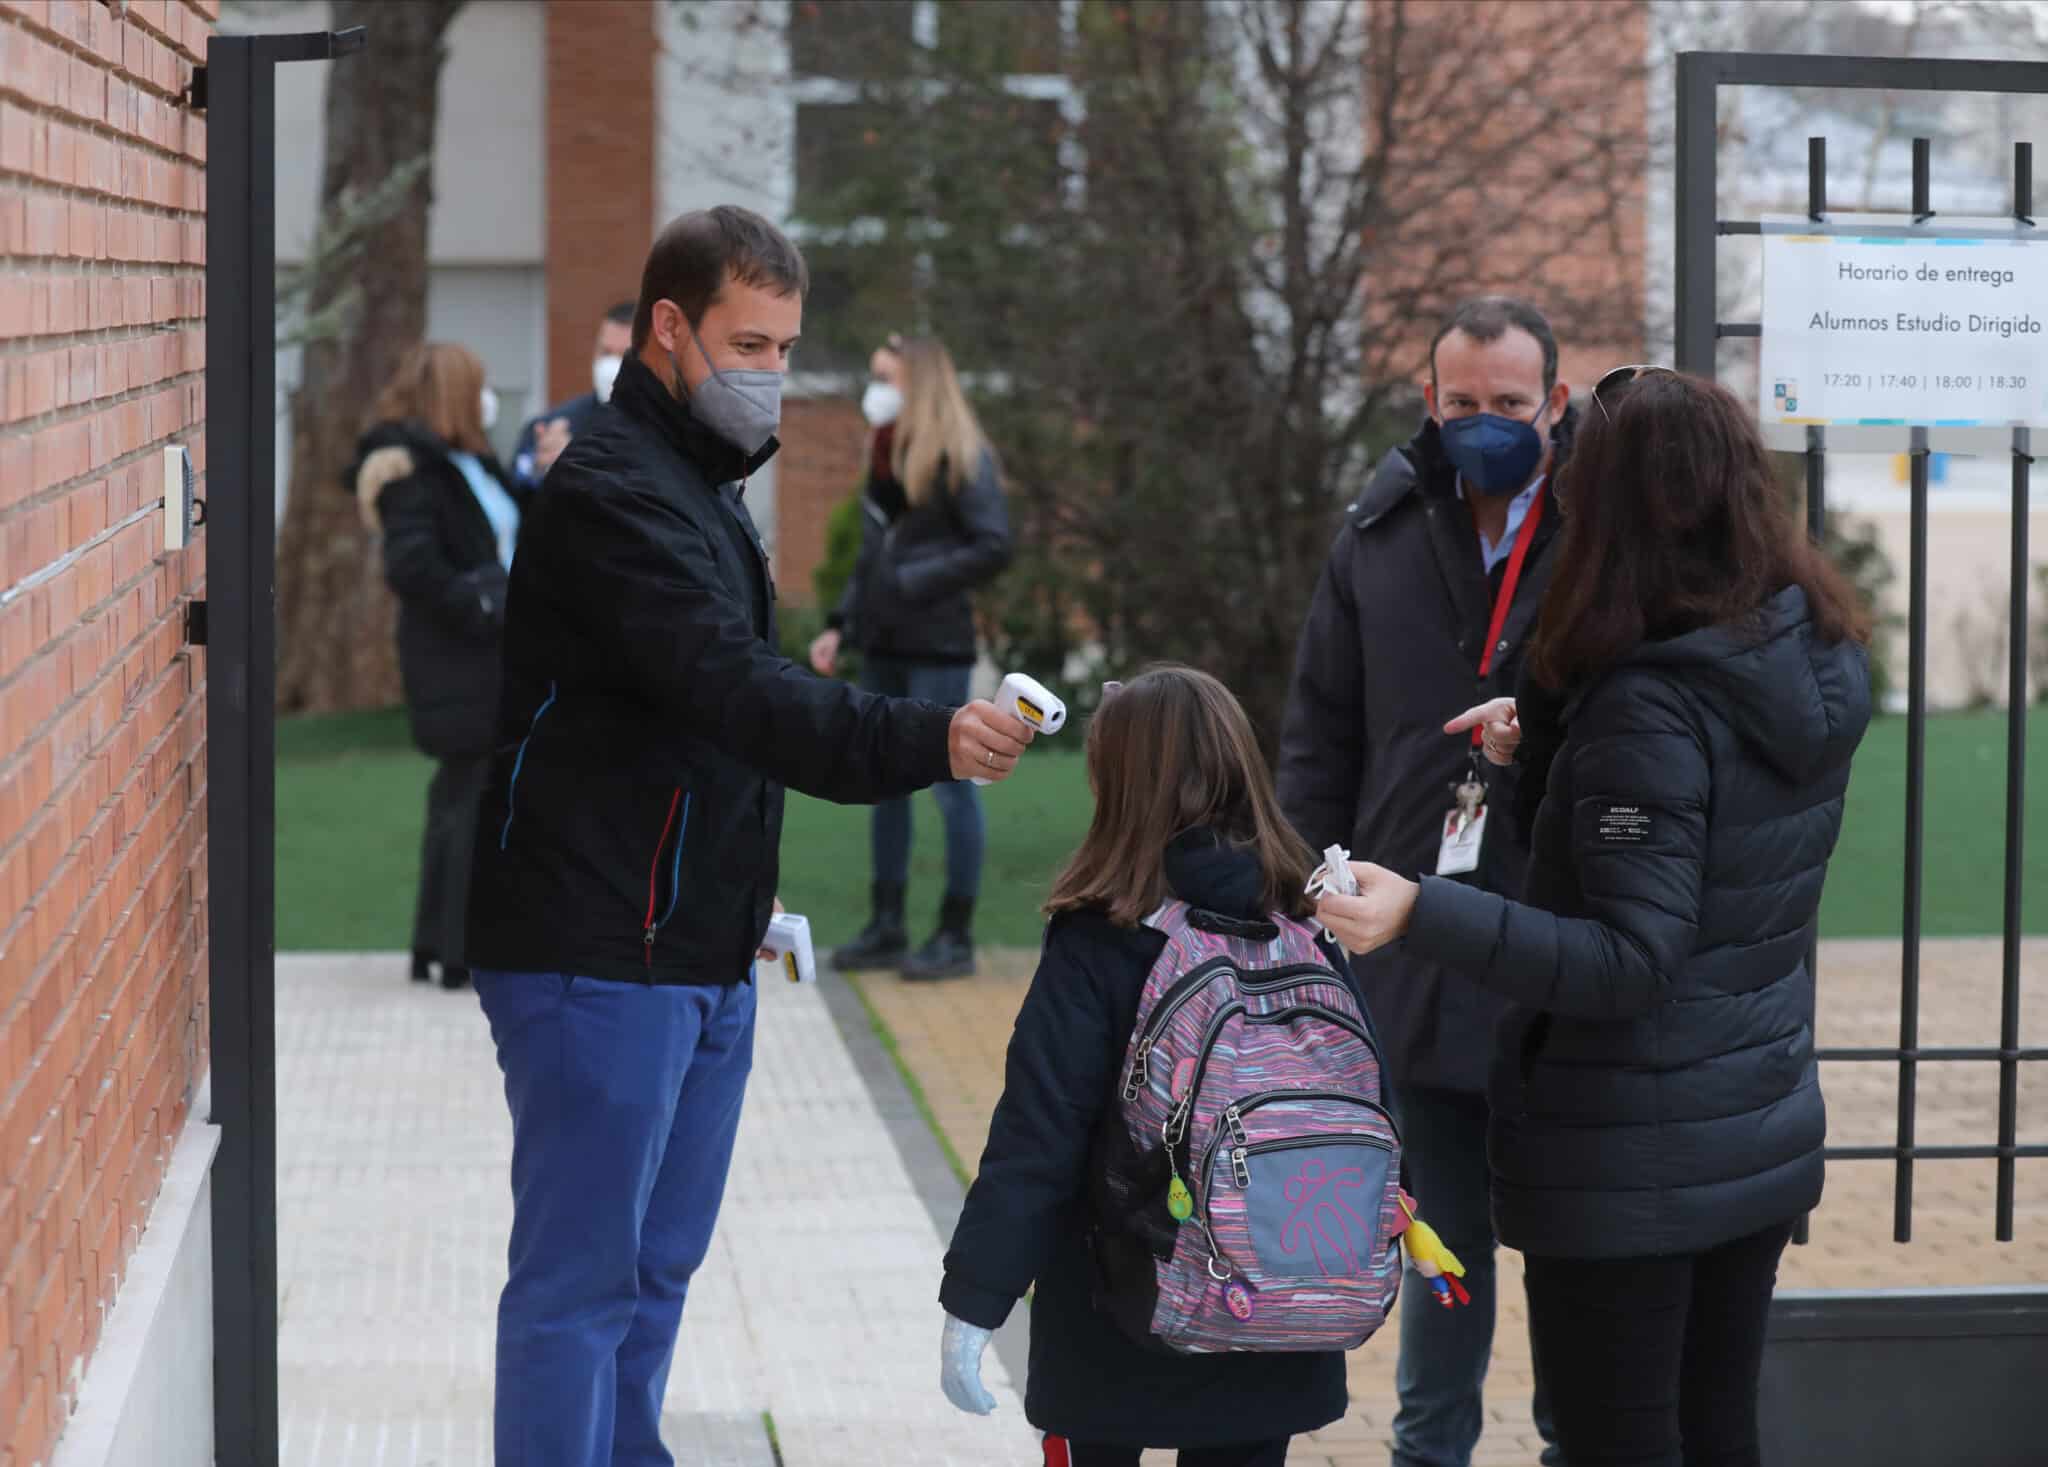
<point>699,251</point>
<point>622,314</point>
<point>1490,317</point>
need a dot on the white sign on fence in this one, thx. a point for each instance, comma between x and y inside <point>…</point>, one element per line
<point>1863,329</point>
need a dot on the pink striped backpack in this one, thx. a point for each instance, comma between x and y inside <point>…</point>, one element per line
<point>1245,1185</point>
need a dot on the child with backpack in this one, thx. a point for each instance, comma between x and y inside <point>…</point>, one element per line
<point>1192,1159</point>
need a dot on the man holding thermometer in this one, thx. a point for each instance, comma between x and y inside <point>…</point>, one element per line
<point>626,862</point>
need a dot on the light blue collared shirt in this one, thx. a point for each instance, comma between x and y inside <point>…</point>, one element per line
<point>1518,510</point>
<point>500,508</point>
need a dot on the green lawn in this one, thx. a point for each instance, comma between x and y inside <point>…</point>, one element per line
<point>350,793</point>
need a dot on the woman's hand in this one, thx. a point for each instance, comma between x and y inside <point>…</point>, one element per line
<point>960,1349</point>
<point>1376,916</point>
<point>1500,734</point>
<point>825,653</point>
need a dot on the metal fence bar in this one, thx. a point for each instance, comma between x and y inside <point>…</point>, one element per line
<point>2015,832</point>
<point>2015,767</point>
<point>240,464</point>
<point>1923,199</point>
<point>1925,1056</point>
<point>1697,168</point>
<point>1916,840</point>
<point>2031,1152</point>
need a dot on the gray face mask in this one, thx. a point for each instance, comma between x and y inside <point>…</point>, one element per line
<point>742,407</point>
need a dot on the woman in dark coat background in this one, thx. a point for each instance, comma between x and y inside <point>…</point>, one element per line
<point>425,478</point>
<point>934,525</point>
<point>1656,1110</point>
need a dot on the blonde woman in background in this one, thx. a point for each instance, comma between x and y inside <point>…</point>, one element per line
<point>425,478</point>
<point>934,527</point>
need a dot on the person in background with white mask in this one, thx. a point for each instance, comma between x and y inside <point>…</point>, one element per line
<point>629,846</point>
<point>425,478</point>
<point>544,437</point>
<point>934,526</point>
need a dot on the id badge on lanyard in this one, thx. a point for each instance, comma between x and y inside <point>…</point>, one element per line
<point>1464,830</point>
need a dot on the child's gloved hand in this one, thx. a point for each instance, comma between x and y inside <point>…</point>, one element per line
<point>960,1350</point>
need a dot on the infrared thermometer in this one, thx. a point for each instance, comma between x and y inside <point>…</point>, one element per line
<point>1026,698</point>
<point>789,938</point>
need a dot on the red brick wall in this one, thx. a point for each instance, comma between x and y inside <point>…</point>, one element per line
<point>102,776</point>
<point>1561,74</point>
<point>819,465</point>
<point>601,164</point>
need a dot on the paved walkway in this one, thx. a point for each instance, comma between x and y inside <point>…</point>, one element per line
<point>816,1311</point>
<point>952,1037</point>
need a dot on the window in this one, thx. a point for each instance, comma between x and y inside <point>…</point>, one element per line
<point>1019,37</point>
<point>853,40</point>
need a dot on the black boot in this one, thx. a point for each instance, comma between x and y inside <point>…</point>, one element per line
<point>453,978</point>
<point>422,966</point>
<point>883,942</point>
<point>950,953</point>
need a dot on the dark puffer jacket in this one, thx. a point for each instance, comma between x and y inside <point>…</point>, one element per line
<point>1654,1088</point>
<point>441,558</point>
<point>910,595</point>
<point>1391,649</point>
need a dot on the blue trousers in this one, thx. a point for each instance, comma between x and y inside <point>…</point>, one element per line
<point>1441,1374</point>
<point>625,1101</point>
<point>959,801</point>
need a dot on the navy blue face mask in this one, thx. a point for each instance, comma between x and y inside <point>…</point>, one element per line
<point>1495,455</point>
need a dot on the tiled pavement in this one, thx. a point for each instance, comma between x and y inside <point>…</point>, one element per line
<point>952,1037</point>
<point>817,1306</point>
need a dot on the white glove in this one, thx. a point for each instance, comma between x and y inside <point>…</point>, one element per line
<point>960,1350</point>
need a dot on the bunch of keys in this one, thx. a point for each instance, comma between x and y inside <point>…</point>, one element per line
<point>1333,877</point>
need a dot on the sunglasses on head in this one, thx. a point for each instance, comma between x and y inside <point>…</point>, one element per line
<point>1619,378</point>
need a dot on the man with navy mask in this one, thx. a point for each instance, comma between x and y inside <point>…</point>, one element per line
<point>1424,609</point>
<point>626,859</point>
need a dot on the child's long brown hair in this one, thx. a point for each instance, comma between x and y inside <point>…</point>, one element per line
<point>1169,752</point>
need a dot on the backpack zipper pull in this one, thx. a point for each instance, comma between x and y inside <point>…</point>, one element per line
<point>1180,1203</point>
<point>1240,1168</point>
<point>1141,1072</point>
<point>1236,1124</point>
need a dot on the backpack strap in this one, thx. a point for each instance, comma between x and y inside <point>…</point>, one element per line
<point>1170,920</point>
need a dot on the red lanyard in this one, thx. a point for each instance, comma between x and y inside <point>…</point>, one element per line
<point>1525,536</point>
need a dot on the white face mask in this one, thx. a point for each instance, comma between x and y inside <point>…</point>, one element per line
<point>881,404</point>
<point>604,371</point>
<point>489,406</point>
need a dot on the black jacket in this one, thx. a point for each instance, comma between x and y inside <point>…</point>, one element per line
<point>909,596</point>
<point>1389,652</point>
<point>581,413</point>
<point>441,558</point>
<point>1654,1087</point>
<point>1027,1219</point>
<point>631,826</point>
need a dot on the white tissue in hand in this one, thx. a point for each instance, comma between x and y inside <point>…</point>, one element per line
<point>1333,877</point>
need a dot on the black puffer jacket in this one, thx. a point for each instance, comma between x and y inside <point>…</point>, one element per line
<point>632,824</point>
<point>910,593</point>
<point>1390,650</point>
<point>1027,1217</point>
<point>1654,1087</point>
<point>441,558</point>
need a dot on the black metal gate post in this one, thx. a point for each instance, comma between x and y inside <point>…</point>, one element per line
<point>237,88</point>
<point>1907,1376</point>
